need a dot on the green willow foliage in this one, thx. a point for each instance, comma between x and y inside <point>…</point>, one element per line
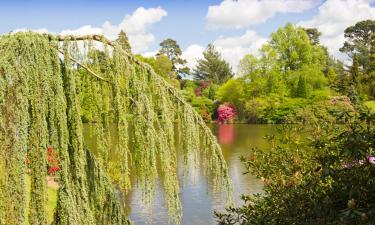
<point>41,103</point>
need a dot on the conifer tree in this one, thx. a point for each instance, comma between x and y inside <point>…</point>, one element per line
<point>353,95</point>
<point>124,41</point>
<point>213,67</point>
<point>372,54</point>
<point>370,79</point>
<point>354,71</point>
<point>301,90</point>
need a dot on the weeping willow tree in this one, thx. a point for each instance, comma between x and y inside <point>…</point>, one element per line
<point>42,81</point>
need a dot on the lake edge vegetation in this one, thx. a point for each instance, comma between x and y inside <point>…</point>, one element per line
<point>293,77</point>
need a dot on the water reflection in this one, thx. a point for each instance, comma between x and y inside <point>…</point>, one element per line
<point>198,202</point>
<point>225,133</point>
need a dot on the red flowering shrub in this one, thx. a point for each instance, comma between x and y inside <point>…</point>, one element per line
<point>226,112</point>
<point>53,161</point>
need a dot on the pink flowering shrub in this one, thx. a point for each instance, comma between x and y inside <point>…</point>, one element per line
<point>226,112</point>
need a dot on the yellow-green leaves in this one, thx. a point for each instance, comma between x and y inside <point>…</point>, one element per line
<point>44,96</point>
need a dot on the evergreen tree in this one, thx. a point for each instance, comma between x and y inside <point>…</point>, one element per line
<point>301,90</point>
<point>124,41</point>
<point>353,95</point>
<point>212,67</point>
<point>332,77</point>
<point>358,40</point>
<point>370,78</point>
<point>372,54</point>
<point>172,50</point>
<point>354,71</point>
<point>314,35</point>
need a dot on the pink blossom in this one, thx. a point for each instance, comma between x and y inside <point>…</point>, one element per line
<point>226,112</point>
<point>371,159</point>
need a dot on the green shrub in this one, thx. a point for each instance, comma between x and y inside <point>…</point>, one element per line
<point>313,175</point>
<point>370,105</point>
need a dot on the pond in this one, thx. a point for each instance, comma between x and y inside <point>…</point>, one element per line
<point>198,202</point>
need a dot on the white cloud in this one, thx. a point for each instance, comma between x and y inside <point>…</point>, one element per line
<point>135,25</point>
<point>150,53</point>
<point>85,30</point>
<point>192,54</point>
<point>336,15</point>
<point>243,13</point>
<point>232,49</point>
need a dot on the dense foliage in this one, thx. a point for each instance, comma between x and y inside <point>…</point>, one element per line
<point>44,95</point>
<point>294,76</point>
<point>324,174</point>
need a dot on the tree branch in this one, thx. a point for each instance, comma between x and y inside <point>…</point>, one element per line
<point>83,66</point>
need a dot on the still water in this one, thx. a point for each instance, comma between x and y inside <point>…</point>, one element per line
<point>198,202</point>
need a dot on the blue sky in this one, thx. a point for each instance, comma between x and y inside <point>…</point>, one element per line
<point>235,27</point>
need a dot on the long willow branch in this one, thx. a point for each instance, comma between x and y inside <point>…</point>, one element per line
<point>104,40</point>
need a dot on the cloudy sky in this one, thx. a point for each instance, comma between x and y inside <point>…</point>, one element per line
<point>236,27</point>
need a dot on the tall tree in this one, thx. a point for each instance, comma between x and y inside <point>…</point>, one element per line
<point>370,77</point>
<point>331,77</point>
<point>124,41</point>
<point>301,90</point>
<point>314,35</point>
<point>291,53</point>
<point>354,70</point>
<point>248,64</point>
<point>293,48</point>
<point>212,67</point>
<point>358,40</point>
<point>372,54</point>
<point>172,50</point>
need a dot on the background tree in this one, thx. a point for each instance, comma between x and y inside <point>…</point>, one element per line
<point>370,77</point>
<point>163,67</point>
<point>332,78</point>
<point>248,65</point>
<point>314,35</point>
<point>295,55</point>
<point>292,47</point>
<point>124,41</point>
<point>301,90</point>
<point>358,40</point>
<point>354,70</point>
<point>212,67</point>
<point>172,50</point>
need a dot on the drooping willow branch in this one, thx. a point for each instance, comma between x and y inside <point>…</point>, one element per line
<point>104,40</point>
<point>43,99</point>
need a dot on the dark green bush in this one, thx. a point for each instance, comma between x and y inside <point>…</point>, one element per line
<point>313,175</point>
